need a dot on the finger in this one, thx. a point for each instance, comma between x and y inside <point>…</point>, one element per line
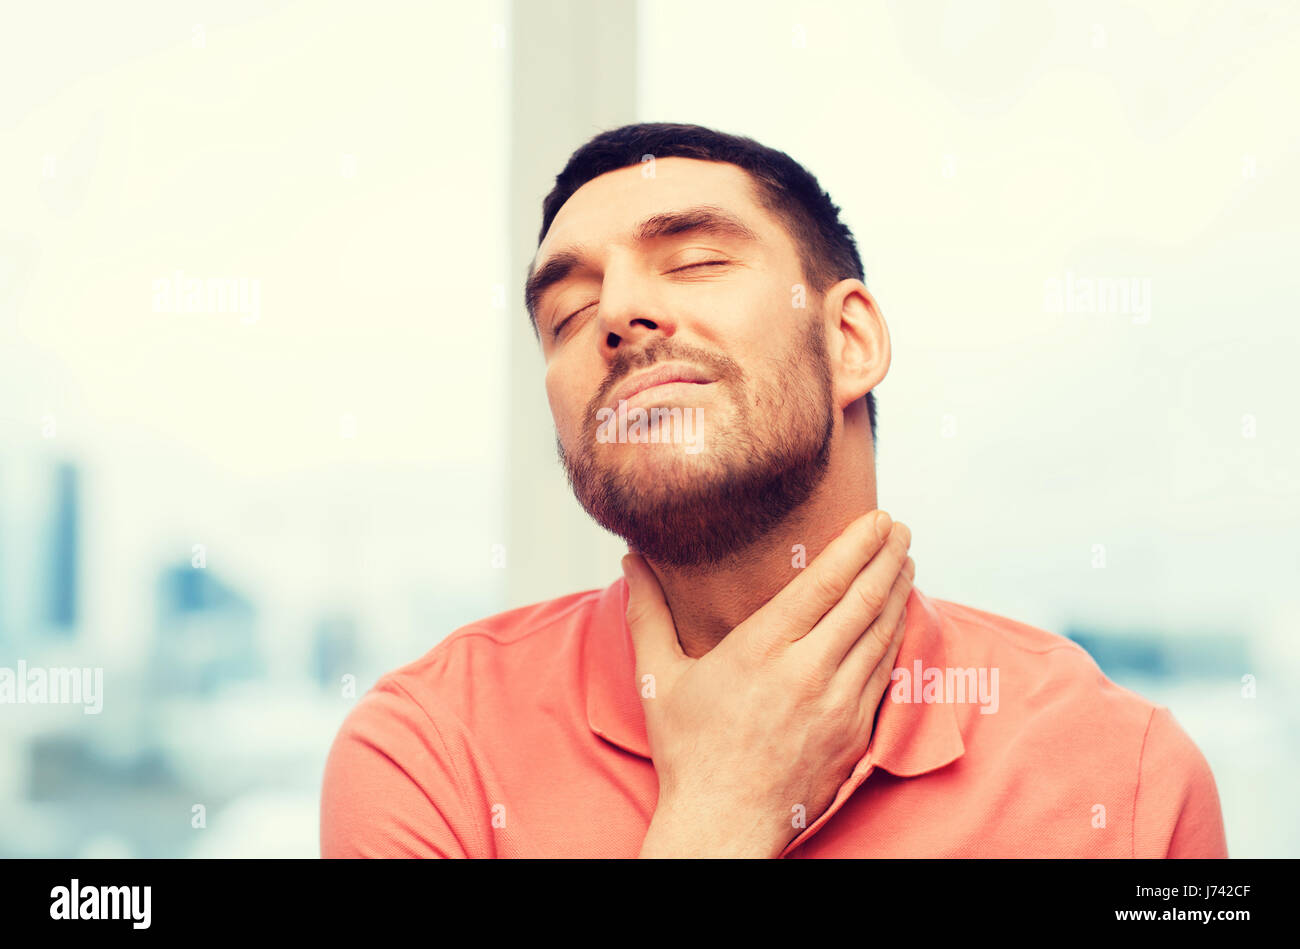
<point>797,606</point>
<point>878,681</point>
<point>860,606</point>
<point>649,620</point>
<point>875,641</point>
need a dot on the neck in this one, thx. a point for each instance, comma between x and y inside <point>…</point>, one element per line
<point>709,602</point>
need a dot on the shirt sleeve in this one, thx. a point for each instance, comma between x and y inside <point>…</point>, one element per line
<point>390,788</point>
<point>1177,812</point>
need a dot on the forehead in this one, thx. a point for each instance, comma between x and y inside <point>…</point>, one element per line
<point>608,208</point>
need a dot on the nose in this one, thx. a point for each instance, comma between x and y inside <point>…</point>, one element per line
<point>631,314</point>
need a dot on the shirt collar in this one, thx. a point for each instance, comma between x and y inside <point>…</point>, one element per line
<point>910,738</point>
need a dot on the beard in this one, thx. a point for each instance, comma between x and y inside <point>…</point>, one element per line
<point>693,510</point>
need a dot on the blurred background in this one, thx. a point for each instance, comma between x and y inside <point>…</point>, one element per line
<point>272,420</point>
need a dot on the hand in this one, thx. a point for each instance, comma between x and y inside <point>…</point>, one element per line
<point>777,714</point>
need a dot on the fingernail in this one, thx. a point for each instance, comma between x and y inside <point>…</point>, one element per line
<point>882,526</point>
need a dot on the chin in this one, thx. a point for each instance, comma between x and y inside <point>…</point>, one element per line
<point>644,464</point>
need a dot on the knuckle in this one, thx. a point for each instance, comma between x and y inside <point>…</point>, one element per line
<point>874,641</point>
<point>882,635</point>
<point>756,651</point>
<point>810,677</point>
<point>869,599</point>
<point>826,586</point>
<point>764,640</point>
<point>841,715</point>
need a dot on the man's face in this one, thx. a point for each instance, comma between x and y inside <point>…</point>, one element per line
<point>754,437</point>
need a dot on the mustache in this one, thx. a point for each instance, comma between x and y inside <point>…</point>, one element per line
<point>723,368</point>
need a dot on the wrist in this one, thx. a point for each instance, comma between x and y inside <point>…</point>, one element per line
<point>679,831</point>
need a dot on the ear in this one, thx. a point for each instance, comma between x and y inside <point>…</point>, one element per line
<point>857,343</point>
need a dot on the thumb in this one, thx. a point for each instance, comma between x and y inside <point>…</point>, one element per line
<point>650,622</point>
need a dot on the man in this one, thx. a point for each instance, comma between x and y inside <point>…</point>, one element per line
<point>765,680</point>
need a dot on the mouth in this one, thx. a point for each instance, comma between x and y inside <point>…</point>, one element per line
<point>660,377</point>
<point>665,390</point>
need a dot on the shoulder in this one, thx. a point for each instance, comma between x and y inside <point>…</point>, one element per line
<point>1178,811</point>
<point>1043,676</point>
<point>477,680</point>
<point>1059,711</point>
<point>401,777</point>
<point>511,653</point>
<point>1051,711</point>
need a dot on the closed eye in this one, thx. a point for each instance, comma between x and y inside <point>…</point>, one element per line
<point>555,333</point>
<point>703,263</point>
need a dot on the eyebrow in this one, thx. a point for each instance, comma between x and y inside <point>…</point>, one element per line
<point>700,219</point>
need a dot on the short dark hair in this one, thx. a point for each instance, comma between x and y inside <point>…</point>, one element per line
<point>827,250</point>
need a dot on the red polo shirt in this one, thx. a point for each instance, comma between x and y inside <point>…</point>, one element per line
<point>522,735</point>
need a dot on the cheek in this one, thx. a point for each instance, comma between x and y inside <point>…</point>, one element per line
<point>555,400</point>
<point>566,405</point>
